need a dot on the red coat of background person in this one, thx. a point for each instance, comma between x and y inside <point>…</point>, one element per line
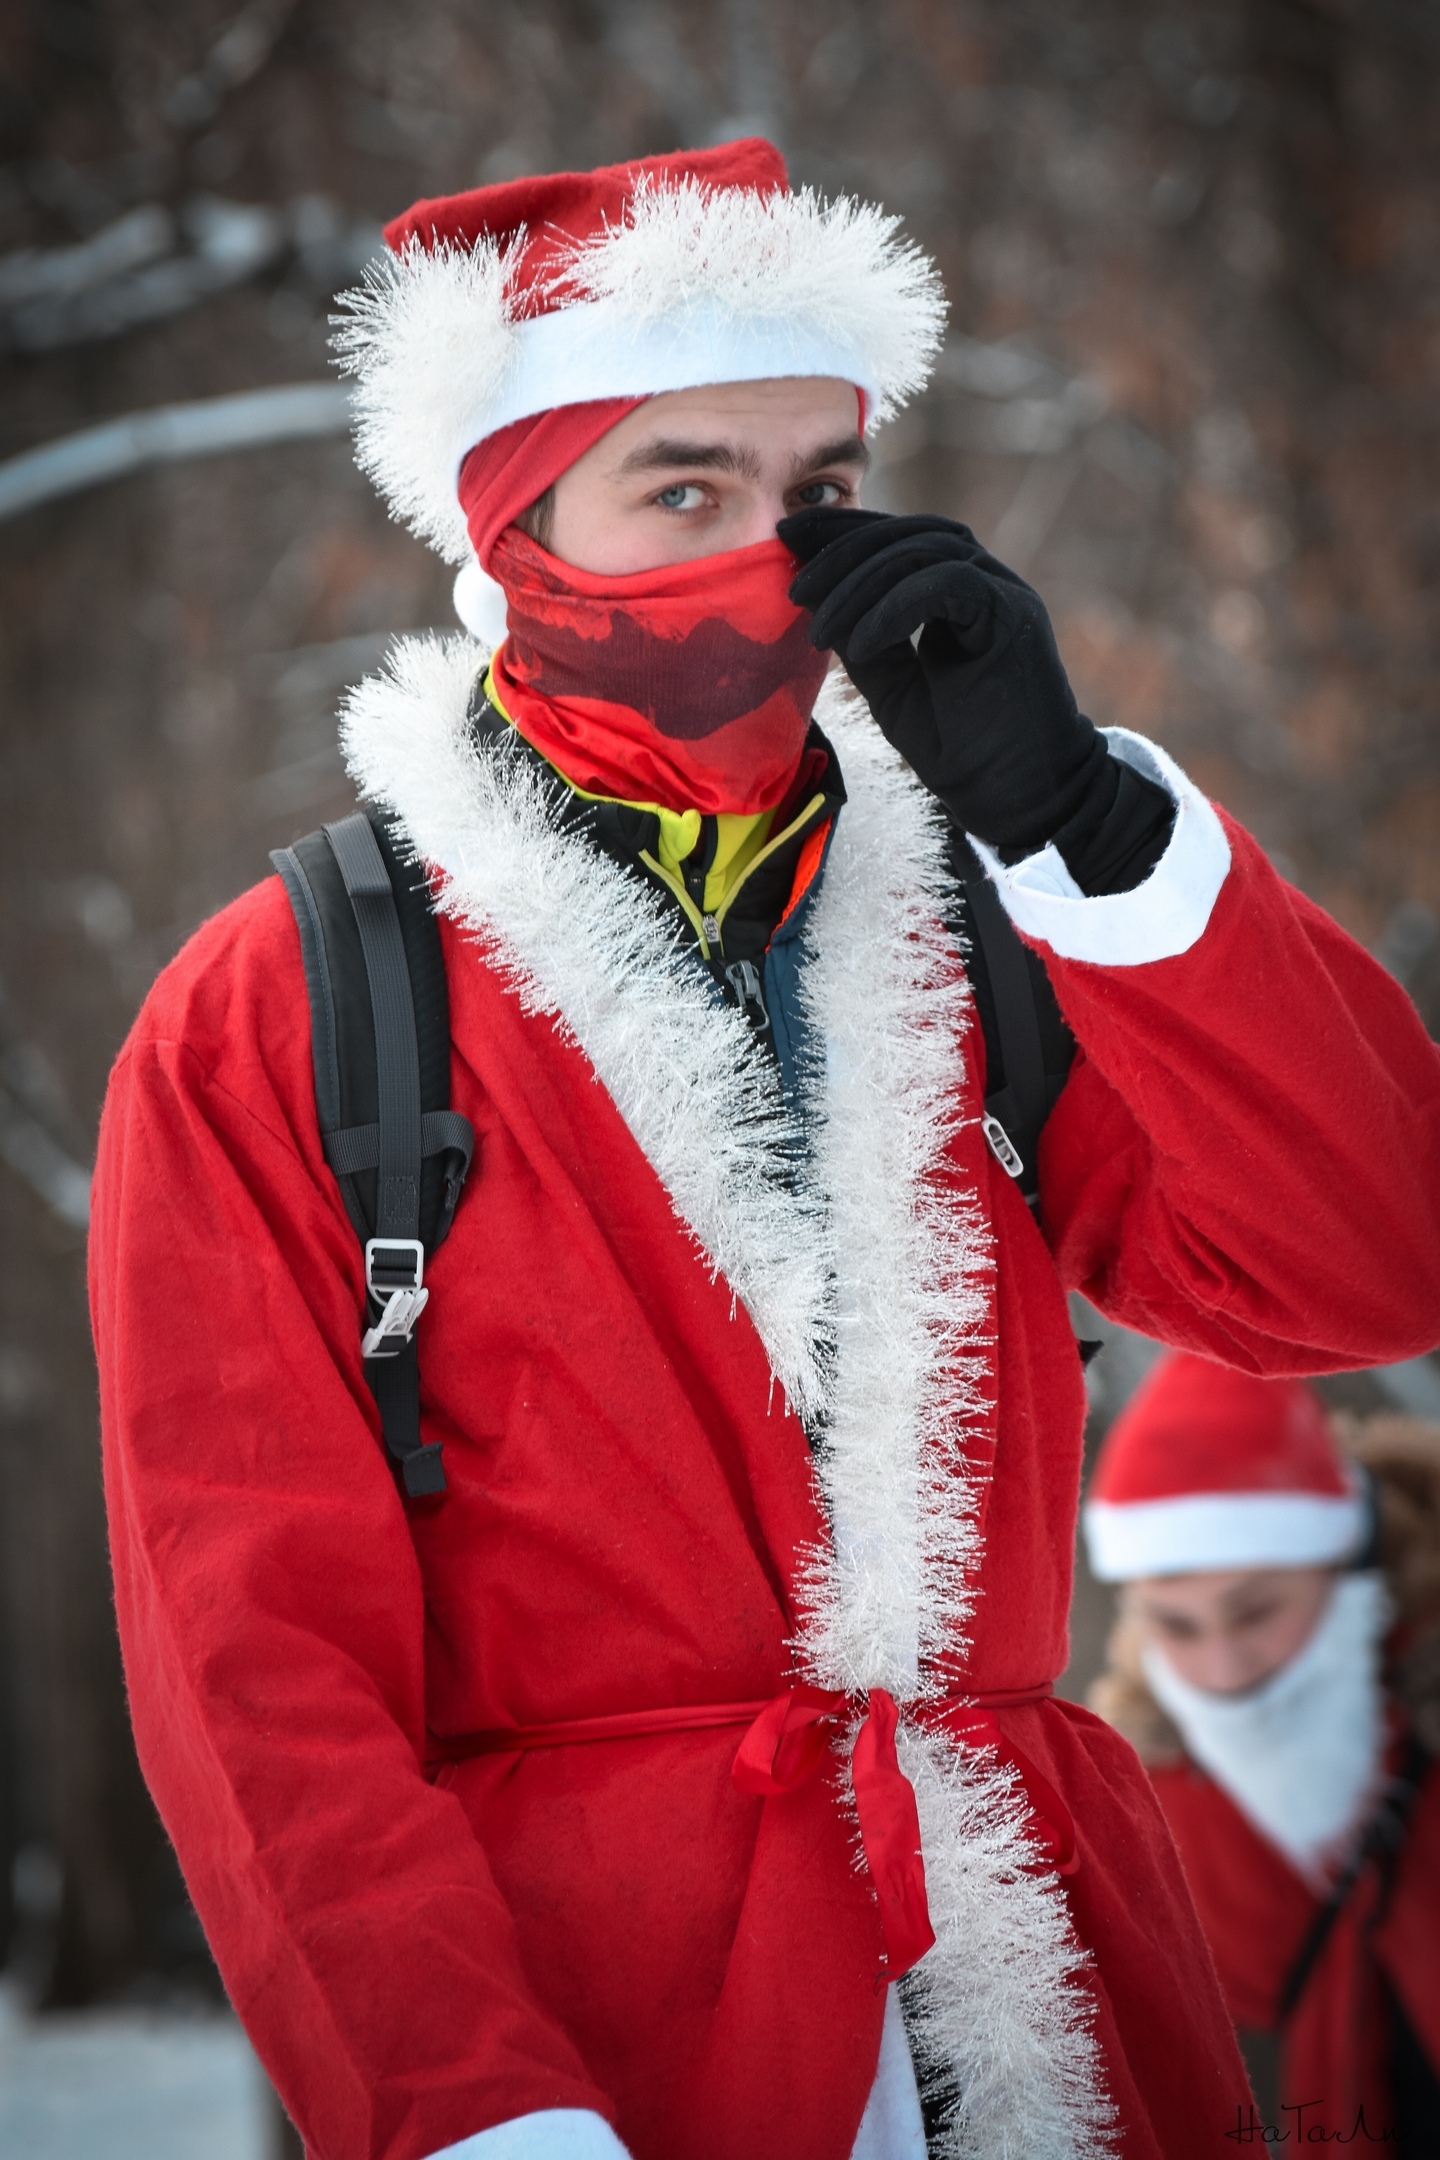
<point>1256,1912</point>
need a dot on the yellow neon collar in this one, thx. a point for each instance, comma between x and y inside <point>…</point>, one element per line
<point>739,835</point>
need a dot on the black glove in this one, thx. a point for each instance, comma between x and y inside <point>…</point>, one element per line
<point>978,703</point>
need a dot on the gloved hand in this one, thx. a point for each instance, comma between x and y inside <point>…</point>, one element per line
<point>977,702</point>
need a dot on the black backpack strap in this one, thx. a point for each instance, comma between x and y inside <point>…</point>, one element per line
<point>380,1037</point>
<point>1028,1047</point>
<point>395,1255</point>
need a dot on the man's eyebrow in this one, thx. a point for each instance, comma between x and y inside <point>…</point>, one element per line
<point>849,450</point>
<point>664,451</point>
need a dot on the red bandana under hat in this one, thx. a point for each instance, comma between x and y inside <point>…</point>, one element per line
<point>690,686</point>
<point>505,474</point>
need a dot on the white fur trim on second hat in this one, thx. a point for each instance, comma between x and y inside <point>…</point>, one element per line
<point>1204,1531</point>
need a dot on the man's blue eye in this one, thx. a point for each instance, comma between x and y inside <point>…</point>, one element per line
<point>673,498</point>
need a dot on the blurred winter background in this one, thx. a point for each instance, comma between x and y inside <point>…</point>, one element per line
<point>1192,389</point>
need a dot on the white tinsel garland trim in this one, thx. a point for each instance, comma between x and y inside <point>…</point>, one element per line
<point>998,2010</point>
<point>909,1254</point>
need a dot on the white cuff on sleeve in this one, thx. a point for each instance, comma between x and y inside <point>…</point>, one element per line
<point>1161,917</point>
<point>551,2134</point>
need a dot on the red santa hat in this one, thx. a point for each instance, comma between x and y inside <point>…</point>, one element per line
<point>594,290</point>
<point>1209,1468</point>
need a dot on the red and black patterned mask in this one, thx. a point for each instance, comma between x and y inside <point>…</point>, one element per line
<point>690,686</point>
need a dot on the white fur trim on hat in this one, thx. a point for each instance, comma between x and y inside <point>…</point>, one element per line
<point>1164,915</point>
<point>1192,1531</point>
<point>695,285</point>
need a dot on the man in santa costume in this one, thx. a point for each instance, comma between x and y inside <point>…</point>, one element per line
<point>1277,1665</point>
<point>601,1803</point>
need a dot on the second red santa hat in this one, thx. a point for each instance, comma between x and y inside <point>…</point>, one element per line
<point>1207,1468</point>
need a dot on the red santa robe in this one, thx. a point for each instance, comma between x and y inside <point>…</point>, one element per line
<point>1257,1909</point>
<point>623,1325</point>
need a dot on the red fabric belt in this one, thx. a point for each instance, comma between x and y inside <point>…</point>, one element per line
<point>785,1744</point>
<point>625,1725</point>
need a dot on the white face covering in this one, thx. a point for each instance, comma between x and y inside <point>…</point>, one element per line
<point>1300,1755</point>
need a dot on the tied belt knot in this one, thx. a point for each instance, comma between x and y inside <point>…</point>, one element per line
<point>786,1745</point>
<point>785,1742</point>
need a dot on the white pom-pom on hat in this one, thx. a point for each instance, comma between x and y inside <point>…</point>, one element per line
<point>480,604</point>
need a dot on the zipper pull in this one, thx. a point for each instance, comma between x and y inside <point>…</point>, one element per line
<point>710,924</point>
<point>744,979</point>
<point>696,866</point>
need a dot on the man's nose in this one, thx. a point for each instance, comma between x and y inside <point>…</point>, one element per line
<point>758,520</point>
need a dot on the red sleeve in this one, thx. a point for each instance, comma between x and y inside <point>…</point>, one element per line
<point>269,1596</point>
<point>1246,1158</point>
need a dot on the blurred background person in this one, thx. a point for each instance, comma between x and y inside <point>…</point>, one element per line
<point>1276,1663</point>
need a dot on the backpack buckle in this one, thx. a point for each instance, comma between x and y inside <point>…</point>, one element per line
<point>1002,1147</point>
<point>394,1272</point>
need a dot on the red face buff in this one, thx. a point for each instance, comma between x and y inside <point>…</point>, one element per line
<point>690,686</point>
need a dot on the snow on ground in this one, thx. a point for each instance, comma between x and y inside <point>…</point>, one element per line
<point>129,2085</point>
